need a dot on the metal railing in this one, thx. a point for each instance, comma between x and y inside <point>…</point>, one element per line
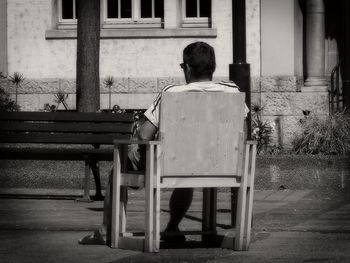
<point>335,93</point>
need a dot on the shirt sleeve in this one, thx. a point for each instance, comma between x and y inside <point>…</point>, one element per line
<point>152,113</point>
<point>246,110</point>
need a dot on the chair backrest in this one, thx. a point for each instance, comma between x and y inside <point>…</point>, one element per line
<point>200,133</point>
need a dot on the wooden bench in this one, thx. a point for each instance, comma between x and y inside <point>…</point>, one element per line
<point>63,136</point>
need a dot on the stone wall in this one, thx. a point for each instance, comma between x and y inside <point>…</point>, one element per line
<point>281,98</point>
<point>128,93</point>
<point>284,103</point>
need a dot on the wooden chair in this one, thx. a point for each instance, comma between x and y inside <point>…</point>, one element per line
<point>202,145</point>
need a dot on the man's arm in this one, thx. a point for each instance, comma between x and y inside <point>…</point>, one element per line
<point>147,131</point>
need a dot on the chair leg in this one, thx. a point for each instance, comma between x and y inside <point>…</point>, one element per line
<point>240,218</point>
<point>116,199</point>
<point>248,224</point>
<point>123,204</point>
<point>209,213</point>
<point>250,197</point>
<point>234,198</point>
<point>157,202</point>
<point>241,204</point>
<point>149,198</point>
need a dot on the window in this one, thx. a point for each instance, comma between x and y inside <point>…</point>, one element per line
<point>116,13</point>
<point>133,13</point>
<point>196,13</point>
<point>67,14</point>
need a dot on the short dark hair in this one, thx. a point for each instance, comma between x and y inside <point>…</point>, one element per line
<point>201,58</point>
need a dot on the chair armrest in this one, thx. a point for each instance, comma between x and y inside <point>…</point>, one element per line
<point>251,142</point>
<point>145,142</point>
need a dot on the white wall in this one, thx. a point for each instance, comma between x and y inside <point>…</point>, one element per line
<point>36,57</point>
<point>281,38</point>
<point>253,36</point>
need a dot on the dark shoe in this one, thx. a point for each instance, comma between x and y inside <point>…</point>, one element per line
<point>172,236</point>
<point>94,239</point>
<point>98,197</point>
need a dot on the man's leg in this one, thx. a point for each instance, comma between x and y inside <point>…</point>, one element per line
<point>102,236</point>
<point>180,202</point>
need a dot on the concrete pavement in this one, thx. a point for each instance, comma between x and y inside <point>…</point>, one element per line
<point>289,226</point>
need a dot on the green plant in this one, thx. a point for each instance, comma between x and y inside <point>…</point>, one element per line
<point>61,97</point>
<point>109,81</point>
<point>17,79</point>
<point>323,135</point>
<point>261,129</point>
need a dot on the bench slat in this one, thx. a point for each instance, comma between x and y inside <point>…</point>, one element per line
<point>85,127</point>
<point>61,138</point>
<point>56,154</point>
<point>66,116</point>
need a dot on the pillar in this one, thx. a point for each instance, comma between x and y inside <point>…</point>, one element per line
<point>315,45</point>
<point>3,37</point>
<point>239,70</point>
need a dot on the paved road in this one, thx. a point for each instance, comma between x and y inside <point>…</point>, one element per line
<point>289,226</point>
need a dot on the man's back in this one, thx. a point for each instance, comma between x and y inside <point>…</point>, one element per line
<point>203,86</point>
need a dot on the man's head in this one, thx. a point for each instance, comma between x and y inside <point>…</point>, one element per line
<point>199,62</point>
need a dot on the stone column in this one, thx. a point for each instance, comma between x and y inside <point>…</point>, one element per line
<point>315,45</point>
<point>3,37</point>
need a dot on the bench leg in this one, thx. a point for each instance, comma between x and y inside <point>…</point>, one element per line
<point>86,196</point>
<point>96,173</point>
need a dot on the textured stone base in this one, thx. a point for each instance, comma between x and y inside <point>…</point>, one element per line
<point>284,104</point>
<point>272,171</point>
<point>280,96</point>
<point>302,172</point>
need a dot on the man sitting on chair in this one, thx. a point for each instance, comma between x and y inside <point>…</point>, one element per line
<point>198,66</point>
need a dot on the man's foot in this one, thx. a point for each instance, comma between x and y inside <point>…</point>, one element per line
<point>98,197</point>
<point>168,236</point>
<point>94,239</point>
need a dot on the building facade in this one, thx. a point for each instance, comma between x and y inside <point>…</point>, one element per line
<point>141,47</point>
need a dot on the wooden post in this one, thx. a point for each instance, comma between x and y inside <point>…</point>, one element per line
<point>88,49</point>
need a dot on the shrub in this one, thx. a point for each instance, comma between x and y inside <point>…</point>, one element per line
<point>6,103</point>
<point>261,129</point>
<point>323,135</point>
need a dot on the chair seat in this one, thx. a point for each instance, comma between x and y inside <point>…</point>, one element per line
<point>200,182</point>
